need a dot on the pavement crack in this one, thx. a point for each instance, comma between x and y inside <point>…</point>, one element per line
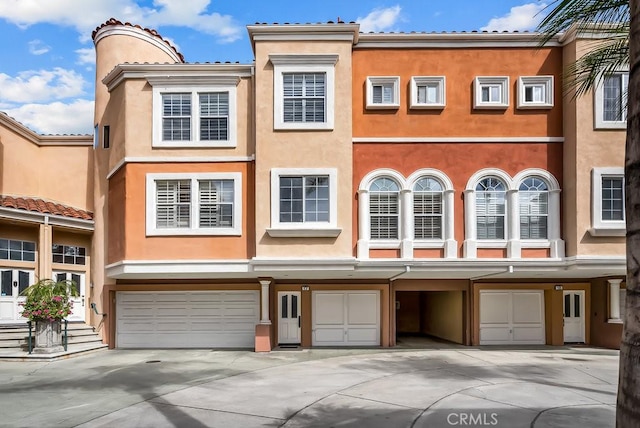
<point>377,401</point>
<point>182,406</point>
<point>533,422</point>
<point>593,376</point>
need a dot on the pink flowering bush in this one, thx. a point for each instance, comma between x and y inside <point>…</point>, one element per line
<point>48,300</point>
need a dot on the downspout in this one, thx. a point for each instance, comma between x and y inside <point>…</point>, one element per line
<point>392,304</point>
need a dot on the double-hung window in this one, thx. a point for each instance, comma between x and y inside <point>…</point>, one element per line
<point>611,101</point>
<point>304,91</point>
<point>490,208</point>
<point>201,116</point>
<point>384,209</point>
<point>194,204</point>
<point>303,202</point>
<point>608,209</point>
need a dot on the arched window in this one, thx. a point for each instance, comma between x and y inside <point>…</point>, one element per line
<point>533,195</point>
<point>384,209</point>
<point>427,209</point>
<point>490,208</point>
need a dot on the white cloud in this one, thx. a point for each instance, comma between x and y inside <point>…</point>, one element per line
<point>57,117</point>
<point>519,18</point>
<point>380,19</point>
<point>86,56</point>
<point>41,85</point>
<point>37,47</point>
<point>86,15</point>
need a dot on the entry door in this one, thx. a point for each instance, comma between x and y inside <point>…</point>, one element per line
<point>12,283</point>
<point>78,311</point>
<point>574,316</point>
<point>289,317</point>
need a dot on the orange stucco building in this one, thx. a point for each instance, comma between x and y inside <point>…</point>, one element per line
<point>344,189</point>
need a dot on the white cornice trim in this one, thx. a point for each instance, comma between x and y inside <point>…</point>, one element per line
<point>452,40</point>
<point>44,140</point>
<point>42,218</point>
<point>178,159</point>
<point>171,268</point>
<point>458,139</point>
<point>179,74</point>
<point>304,32</point>
<point>138,33</point>
<point>303,59</point>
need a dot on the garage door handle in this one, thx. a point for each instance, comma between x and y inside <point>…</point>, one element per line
<point>298,321</point>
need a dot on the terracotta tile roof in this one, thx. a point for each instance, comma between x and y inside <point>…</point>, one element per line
<point>154,33</point>
<point>44,207</point>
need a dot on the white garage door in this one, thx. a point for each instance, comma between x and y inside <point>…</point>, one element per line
<point>187,319</point>
<point>512,317</point>
<point>346,318</point>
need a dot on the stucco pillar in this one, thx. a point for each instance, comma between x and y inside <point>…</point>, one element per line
<point>364,226</point>
<point>264,301</point>
<point>614,300</point>
<point>470,232</point>
<point>406,224</point>
<point>45,241</point>
<point>553,216</point>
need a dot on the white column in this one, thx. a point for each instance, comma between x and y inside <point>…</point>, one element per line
<point>264,300</point>
<point>470,232</point>
<point>406,224</point>
<point>364,226</point>
<point>553,216</point>
<point>514,248</point>
<point>614,300</point>
<point>450,244</point>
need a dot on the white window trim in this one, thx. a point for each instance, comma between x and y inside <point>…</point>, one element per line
<point>304,229</point>
<point>381,80</point>
<point>481,81</point>
<point>600,227</point>
<point>512,241</point>
<point>235,230</point>
<point>416,81</point>
<point>312,63</point>
<point>598,103</point>
<point>547,84</point>
<point>406,242</point>
<point>195,141</point>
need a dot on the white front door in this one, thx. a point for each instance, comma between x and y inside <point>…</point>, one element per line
<point>289,317</point>
<point>573,316</point>
<point>78,311</point>
<point>12,283</point>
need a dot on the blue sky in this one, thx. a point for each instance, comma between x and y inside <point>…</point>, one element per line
<point>47,75</point>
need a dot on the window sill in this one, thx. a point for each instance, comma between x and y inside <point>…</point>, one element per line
<point>189,144</point>
<point>531,106</point>
<point>608,231</point>
<point>309,126</point>
<point>494,106</point>
<point>614,321</point>
<point>194,232</point>
<point>434,106</point>
<point>303,232</point>
<point>383,106</point>
<point>600,124</point>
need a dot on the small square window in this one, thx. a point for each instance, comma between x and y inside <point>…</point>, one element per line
<point>607,207</point>
<point>491,92</point>
<point>427,92</point>
<point>383,92</point>
<point>535,92</point>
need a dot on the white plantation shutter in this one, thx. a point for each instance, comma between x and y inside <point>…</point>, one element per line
<point>304,97</point>
<point>427,209</point>
<point>490,209</point>
<point>173,204</point>
<point>384,209</point>
<point>215,199</point>
<point>533,196</point>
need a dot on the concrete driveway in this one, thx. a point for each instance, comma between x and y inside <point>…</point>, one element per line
<point>544,387</point>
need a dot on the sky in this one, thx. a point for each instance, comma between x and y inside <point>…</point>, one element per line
<point>47,73</point>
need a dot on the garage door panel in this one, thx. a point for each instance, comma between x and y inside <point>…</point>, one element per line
<point>491,335</point>
<point>329,336</point>
<point>493,305</point>
<point>527,334</point>
<point>359,308</point>
<point>526,308</point>
<point>362,335</point>
<point>329,309</point>
<point>186,319</point>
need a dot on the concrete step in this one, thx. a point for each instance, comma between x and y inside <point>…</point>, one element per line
<point>72,350</point>
<point>15,338</point>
